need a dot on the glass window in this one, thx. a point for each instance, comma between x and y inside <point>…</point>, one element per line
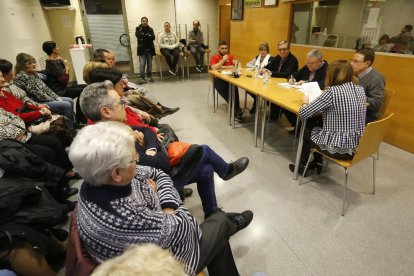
<point>385,25</point>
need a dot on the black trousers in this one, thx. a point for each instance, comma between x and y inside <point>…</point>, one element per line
<point>160,159</point>
<point>75,92</point>
<point>171,57</point>
<point>215,250</point>
<point>50,149</point>
<point>223,88</point>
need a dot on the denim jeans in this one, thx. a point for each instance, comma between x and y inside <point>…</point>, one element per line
<point>145,59</point>
<point>65,108</point>
<point>198,54</point>
<point>203,175</point>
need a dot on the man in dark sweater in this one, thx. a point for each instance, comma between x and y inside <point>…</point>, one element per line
<point>369,78</point>
<point>282,66</point>
<point>314,70</point>
<point>123,204</point>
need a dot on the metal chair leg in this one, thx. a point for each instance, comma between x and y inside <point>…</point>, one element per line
<point>245,99</point>
<point>344,196</point>
<point>373,174</point>
<point>306,168</point>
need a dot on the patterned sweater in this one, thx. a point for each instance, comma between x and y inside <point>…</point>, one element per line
<point>110,218</point>
<point>343,107</point>
<point>35,88</point>
<point>11,126</point>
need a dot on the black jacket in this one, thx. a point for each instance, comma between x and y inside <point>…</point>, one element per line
<point>145,37</point>
<point>289,66</point>
<point>320,74</point>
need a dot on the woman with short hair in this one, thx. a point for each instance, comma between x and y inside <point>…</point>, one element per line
<point>343,108</point>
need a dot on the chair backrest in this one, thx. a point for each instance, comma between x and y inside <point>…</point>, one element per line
<point>385,102</point>
<point>78,262</point>
<point>372,138</point>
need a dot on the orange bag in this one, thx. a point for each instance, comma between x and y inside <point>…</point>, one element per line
<point>176,150</point>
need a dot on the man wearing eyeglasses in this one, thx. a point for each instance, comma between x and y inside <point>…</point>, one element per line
<point>282,66</point>
<point>285,63</point>
<point>369,78</point>
<point>314,70</point>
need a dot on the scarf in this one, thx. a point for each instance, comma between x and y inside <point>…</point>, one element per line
<point>264,63</point>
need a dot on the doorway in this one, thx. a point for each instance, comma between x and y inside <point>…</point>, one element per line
<point>106,28</point>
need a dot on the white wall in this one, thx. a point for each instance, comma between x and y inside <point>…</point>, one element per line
<point>161,11</point>
<point>24,28</point>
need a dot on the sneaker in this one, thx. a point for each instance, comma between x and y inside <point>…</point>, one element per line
<point>150,79</point>
<point>198,68</point>
<point>237,167</point>
<point>172,72</point>
<point>238,117</point>
<point>142,81</point>
<point>241,220</point>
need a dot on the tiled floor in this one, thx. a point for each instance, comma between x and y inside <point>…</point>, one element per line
<point>298,230</point>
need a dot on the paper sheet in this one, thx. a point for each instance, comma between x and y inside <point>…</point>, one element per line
<point>287,85</point>
<point>311,90</point>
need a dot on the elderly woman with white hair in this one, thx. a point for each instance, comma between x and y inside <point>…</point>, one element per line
<point>122,204</point>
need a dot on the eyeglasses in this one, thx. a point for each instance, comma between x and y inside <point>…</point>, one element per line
<point>121,102</point>
<point>283,49</point>
<point>312,63</point>
<point>355,61</point>
<point>30,63</point>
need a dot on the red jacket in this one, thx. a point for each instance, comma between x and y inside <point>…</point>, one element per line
<point>11,104</point>
<point>132,119</point>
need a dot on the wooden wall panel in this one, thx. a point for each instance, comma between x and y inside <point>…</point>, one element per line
<point>269,24</point>
<point>272,25</point>
<point>398,73</point>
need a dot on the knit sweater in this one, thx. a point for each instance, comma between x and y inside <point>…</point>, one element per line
<point>167,40</point>
<point>373,84</point>
<point>35,88</point>
<point>111,218</point>
<point>12,104</point>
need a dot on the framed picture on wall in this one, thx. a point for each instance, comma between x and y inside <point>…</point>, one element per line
<point>237,9</point>
<point>269,3</point>
<point>252,3</point>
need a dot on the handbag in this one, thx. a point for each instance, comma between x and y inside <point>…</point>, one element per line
<point>175,151</point>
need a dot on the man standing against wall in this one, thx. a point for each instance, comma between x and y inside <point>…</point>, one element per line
<point>222,60</point>
<point>369,78</point>
<point>195,43</point>
<point>145,49</point>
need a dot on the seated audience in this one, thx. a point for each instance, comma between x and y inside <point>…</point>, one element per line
<point>100,102</point>
<point>46,146</point>
<point>402,40</point>
<point>343,107</point>
<point>28,80</point>
<point>384,44</point>
<point>168,43</point>
<point>281,66</point>
<point>223,60</point>
<point>314,70</point>
<point>140,95</point>
<point>195,45</point>
<point>143,260</point>
<point>6,68</point>
<point>370,79</point>
<point>142,205</point>
<point>259,62</point>
<point>57,73</point>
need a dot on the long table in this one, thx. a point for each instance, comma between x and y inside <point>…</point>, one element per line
<point>287,98</point>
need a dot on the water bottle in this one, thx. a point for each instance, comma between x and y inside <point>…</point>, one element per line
<point>256,72</point>
<point>266,77</point>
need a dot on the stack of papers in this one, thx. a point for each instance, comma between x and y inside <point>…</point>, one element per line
<point>311,90</point>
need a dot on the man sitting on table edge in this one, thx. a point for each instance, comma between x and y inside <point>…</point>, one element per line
<point>223,60</point>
